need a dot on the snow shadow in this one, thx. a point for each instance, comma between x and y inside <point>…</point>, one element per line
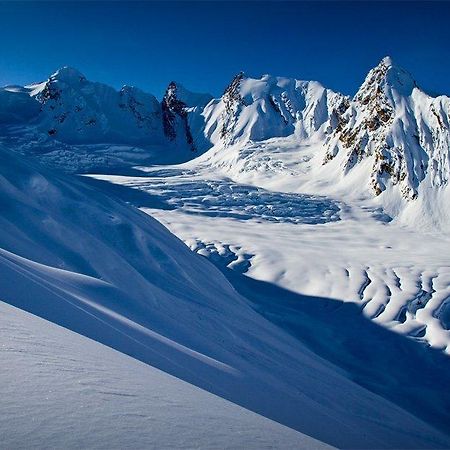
<point>135,197</point>
<point>400,369</point>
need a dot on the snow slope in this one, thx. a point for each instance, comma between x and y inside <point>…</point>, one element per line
<point>60,389</point>
<point>305,249</point>
<point>94,265</point>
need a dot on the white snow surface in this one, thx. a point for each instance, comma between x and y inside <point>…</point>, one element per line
<point>326,217</point>
<point>96,266</point>
<point>340,244</point>
<point>62,390</point>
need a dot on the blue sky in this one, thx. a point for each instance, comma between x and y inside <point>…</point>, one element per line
<point>203,44</point>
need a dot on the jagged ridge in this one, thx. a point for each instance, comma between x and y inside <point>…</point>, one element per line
<point>390,122</point>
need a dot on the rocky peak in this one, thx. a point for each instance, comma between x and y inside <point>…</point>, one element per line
<point>382,124</point>
<point>231,92</point>
<point>171,101</point>
<point>383,79</point>
<point>175,116</point>
<point>65,77</point>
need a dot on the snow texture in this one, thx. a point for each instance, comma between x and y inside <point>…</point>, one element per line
<point>326,217</point>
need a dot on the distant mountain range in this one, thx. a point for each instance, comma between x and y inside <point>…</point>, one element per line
<point>391,125</point>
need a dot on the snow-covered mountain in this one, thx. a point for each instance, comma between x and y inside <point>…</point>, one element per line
<point>399,134</point>
<point>258,109</point>
<point>73,110</point>
<point>391,140</point>
<point>76,110</point>
<point>90,263</point>
<point>402,131</point>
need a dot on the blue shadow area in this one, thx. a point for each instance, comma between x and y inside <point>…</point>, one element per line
<point>405,372</point>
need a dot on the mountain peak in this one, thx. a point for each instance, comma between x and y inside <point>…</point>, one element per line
<point>387,61</point>
<point>387,76</point>
<point>68,75</point>
<point>190,99</point>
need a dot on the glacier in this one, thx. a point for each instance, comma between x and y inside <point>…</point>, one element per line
<point>297,267</point>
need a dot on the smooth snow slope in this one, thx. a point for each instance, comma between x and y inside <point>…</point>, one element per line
<point>98,267</point>
<point>62,390</point>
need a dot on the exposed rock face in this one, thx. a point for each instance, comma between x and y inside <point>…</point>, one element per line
<point>233,103</point>
<point>402,130</point>
<point>175,117</point>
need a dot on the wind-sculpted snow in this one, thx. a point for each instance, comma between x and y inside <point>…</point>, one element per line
<point>359,260</point>
<point>223,255</point>
<point>309,244</point>
<point>90,263</point>
<point>104,399</point>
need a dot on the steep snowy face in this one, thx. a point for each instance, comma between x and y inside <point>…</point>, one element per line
<point>400,129</point>
<point>257,109</point>
<point>76,110</point>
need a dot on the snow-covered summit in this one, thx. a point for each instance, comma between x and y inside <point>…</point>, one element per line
<point>387,77</point>
<point>76,110</point>
<point>257,109</point>
<point>68,75</point>
<point>403,132</point>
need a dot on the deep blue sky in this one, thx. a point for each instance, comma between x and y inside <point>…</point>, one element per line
<point>204,44</point>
